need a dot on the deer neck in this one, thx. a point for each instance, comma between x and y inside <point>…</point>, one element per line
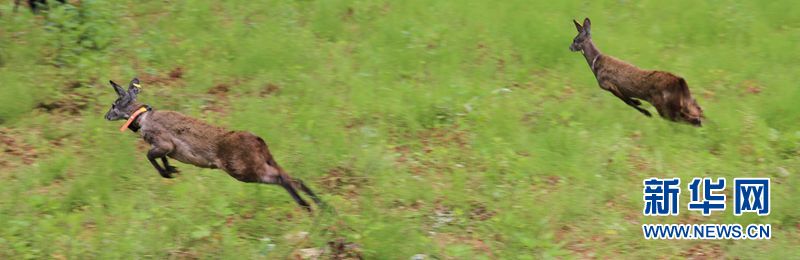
<point>591,53</point>
<point>134,123</point>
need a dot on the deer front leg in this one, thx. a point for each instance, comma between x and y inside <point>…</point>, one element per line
<point>158,152</point>
<point>169,168</point>
<point>631,102</point>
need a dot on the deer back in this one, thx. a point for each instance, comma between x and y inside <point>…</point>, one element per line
<point>192,141</point>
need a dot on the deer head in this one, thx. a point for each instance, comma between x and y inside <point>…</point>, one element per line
<point>126,103</point>
<point>584,35</point>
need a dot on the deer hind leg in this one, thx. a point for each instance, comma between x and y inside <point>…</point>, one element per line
<point>298,184</point>
<point>267,171</point>
<point>293,192</point>
<point>272,175</point>
<point>659,103</point>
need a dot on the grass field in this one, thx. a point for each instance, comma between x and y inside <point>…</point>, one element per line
<point>451,129</point>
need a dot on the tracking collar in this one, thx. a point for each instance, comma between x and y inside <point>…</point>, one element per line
<point>593,61</point>
<point>130,123</point>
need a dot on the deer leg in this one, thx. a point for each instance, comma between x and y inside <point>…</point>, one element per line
<point>273,175</point>
<point>631,102</point>
<point>634,105</point>
<point>643,111</point>
<point>308,191</point>
<point>167,167</point>
<point>154,153</point>
<point>34,5</point>
<point>288,186</point>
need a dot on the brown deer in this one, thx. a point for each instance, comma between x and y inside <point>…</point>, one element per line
<point>668,93</point>
<point>242,155</point>
<point>36,5</point>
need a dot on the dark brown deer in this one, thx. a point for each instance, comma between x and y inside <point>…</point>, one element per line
<point>242,155</point>
<point>668,93</point>
<point>35,5</point>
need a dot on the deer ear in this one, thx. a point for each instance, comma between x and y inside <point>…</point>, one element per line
<point>134,86</point>
<point>577,25</point>
<point>117,88</point>
<point>587,25</point>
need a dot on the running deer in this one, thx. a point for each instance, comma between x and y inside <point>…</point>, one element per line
<point>242,155</point>
<point>668,93</point>
<point>35,5</point>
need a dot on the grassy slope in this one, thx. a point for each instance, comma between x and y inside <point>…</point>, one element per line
<point>401,113</point>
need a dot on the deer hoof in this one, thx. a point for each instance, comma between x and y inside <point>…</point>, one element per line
<point>172,169</point>
<point>166,174</point>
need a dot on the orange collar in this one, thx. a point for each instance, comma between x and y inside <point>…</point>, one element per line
<point>133,117</point>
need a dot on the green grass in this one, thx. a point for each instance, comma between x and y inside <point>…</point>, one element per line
<point>455,129</point>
